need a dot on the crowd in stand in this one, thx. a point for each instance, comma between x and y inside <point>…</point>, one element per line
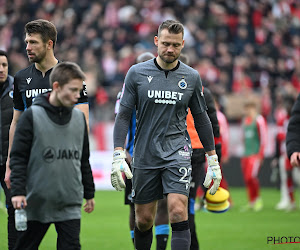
<point>243,46</point>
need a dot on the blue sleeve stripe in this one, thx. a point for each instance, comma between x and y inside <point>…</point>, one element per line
<point>81,103</point>
<point>18,109</point>
<point>24,100</point>
<point>192,206</point>
<point>131,234</point>
<point>162,229</point>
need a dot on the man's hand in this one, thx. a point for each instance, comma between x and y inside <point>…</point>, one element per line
<point>119,165</point>
<point>213,173</point>
<point>7,174</point>
<point>19,201</point>
<point>89,205</point>
<point>295,159</point>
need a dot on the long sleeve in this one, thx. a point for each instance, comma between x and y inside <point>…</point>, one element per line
<point>20,153</point>
<point>204,130</point>
<point>121,126</point>
<point>212,112</point>
<point>87,176</point>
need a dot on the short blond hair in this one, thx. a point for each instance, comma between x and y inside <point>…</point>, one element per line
<point>174,27</point>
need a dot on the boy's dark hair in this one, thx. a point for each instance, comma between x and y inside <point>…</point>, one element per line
<point>65,72</point>
<point>3,53</point>
<point>46,29</point>
<point>174,27</point>
<point>144,57</point>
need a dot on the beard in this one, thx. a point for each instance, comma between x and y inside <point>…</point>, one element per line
<point>168,58</point>
<point>37,58</point>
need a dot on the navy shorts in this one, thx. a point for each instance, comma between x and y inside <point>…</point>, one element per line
<point>152,184</point>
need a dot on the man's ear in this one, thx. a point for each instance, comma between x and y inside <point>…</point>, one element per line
<point>55,85</point>
<point>50,44</point>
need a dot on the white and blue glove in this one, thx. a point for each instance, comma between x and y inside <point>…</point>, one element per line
<point>213,173</point>
<point>119,165</point>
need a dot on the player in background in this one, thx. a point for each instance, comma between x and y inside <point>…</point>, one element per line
<point>40,39</point>
<point>254,139</point>
<point>6,114</point>
<point>162,89</point>
<point>161,219</point>
<point>282,115</point>
<point>198,156</point>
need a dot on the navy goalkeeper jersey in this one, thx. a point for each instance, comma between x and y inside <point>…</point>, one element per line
<point>29,82</point>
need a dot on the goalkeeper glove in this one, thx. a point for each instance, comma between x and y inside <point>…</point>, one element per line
<point>213,173</point>
<point>119,165</point>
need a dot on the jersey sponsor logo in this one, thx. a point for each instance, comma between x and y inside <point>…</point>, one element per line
<point>165,97</point>
<point>149,78</point>
<point>28,80</point>
<point>184,153</point>
<point>68,154</point>
<point>31,93</point>
<point>182,83</point>
<point>50,154</point>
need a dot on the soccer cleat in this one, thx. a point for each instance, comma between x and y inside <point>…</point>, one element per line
<point>291,207</point>
<point>246,208</point>
<point>282,205</point>
<point>258,205</point>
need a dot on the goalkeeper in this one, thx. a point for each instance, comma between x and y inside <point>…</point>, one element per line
<point>162,219</point>
<point>162,90</point>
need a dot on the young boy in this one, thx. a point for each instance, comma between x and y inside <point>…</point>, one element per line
<point>50,166</point>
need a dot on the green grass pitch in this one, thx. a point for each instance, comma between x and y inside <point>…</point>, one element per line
<point>107,226</point>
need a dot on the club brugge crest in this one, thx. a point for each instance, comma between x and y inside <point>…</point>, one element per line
<point>182,84</point>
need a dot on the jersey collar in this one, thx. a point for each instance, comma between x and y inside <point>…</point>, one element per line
<point>166,71</point>
<point>160,68</point>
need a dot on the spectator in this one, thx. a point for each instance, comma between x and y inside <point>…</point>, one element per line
<point>106,28</point>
